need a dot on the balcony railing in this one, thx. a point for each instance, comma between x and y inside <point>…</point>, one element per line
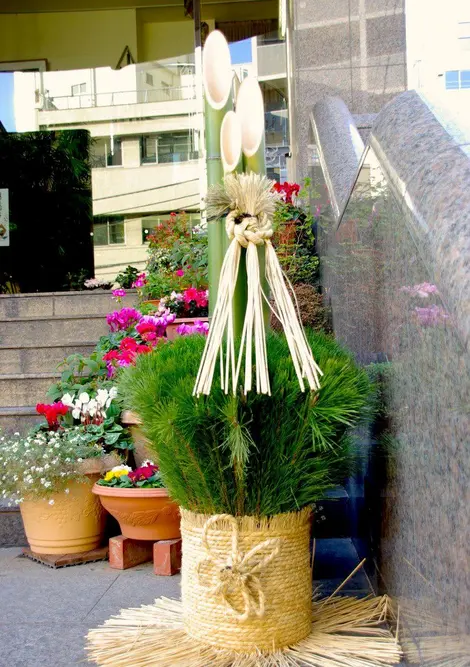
<point>87,100</point>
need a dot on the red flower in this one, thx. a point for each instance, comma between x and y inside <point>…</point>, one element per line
<point>128,343</point>
<point>190,294</point>
<point>52,412</point>
<point>180,273</point>
<point>111,355</point>
<point>143,473</point>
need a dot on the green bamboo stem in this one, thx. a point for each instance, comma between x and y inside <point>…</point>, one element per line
<point>215,174</point>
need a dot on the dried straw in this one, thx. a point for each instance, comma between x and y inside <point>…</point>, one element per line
<point>345,632</point>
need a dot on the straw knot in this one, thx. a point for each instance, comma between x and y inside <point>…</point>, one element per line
<point>236,576</point>
<point>248,229</point>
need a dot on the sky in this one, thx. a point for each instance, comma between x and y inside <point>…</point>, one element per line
<point>241,52</point>
<point>7,114</point>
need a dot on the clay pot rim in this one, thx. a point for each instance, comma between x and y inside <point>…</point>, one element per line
<point>129,493</point>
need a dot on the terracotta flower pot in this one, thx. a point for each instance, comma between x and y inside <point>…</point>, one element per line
<point>171,328</point>
<point>143,514</point>
<point>74,523</point>
<point>142,451</point>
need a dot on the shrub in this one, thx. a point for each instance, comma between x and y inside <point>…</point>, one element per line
<point>254,454</point>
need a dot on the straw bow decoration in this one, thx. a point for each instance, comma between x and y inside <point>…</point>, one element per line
<point>237,574</point>
<point>248,202</point>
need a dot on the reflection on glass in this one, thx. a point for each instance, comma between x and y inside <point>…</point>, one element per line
<point>389,307</point>
<point>144,122</point>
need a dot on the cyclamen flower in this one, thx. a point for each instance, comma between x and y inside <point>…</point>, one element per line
<point>180,273</point>
<point>124,319</point>
<point>287,191</point>
<point>118,294</point>
<point>431,316</point>
<point>52,412</point>
<point>198,327</point>
<point>422,290</point>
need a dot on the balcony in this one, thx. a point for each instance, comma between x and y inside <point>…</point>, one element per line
<point>83,109</point>
<point>132,190</point>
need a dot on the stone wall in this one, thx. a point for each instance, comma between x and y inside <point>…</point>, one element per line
<point>396,271</point>
<point>354,49</point>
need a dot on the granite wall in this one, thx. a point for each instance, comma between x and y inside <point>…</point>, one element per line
<point>396,271</point>
<point>354,49</point>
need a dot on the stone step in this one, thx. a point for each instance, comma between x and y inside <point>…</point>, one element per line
<point>18,420</point>
<point>44,331</point>
<point>58,304</point>
<point>34,359</point>
<point>20,389</point>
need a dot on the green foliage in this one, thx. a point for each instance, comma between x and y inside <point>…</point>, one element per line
<point>80,373</point>
<point>253,454</point>
<point>126,278</point>
<point>294,239</point>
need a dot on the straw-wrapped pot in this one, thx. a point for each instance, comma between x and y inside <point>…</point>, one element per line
<point>246,582</point>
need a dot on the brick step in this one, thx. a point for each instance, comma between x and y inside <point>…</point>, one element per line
<point>18,420</point>
<point>44,331</point>
<point>34,359</point>
<point>24,389</point>
<point>57,304</point>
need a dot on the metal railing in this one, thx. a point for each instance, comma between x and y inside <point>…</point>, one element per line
<point>90,100</point>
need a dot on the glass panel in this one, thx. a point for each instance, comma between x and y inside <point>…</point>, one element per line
<point>114,157</point>
<point>452,80</point>
<point>116,231</point>
<point>100,232</point>
<point>148,147</point>
<point>98,152</point>
<point>465,78</point>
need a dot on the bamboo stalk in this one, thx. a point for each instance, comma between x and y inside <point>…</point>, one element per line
<point>232,160</point>
<point>250,109</point>
<point>217,80</point>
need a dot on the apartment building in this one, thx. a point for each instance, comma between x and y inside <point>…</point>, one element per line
<point>144,122</point>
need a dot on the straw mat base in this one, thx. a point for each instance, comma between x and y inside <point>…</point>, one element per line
<point>346,632</point>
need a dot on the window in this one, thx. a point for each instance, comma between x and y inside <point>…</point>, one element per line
<point>167,147</point>
<point>106,152</point>
<point>148,79</point>
<point>114,155</point>
<point>151,221</point>
<point>108,230</point>
<point>465,78</point>
<point>78,89</point>
<point>176,147</point>
<point>457,79</point>
<point>148,149</point>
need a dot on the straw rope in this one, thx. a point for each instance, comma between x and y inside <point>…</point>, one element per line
<point>246,585</point>
<point>236,574</point>
<point>248,230</point>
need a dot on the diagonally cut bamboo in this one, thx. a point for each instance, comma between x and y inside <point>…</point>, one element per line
<point>217,79</point>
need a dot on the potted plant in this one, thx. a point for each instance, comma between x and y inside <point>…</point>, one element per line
<point>50,474</point>
<point>189,306</point>
<point>139,502</point>
<point>247,468</point>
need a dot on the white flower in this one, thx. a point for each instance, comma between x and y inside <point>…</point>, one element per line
<point>113,392</point>
<point>51,501</point>
<point>83,397</point>
<point>147,462</point>
<point>76,414</point>
<point>67,491</point>
<point>101,397</point>
<point>121,467</point>
<point>67,399</point>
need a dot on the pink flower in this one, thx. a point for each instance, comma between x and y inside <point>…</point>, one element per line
<point>118,294</point>
<point>140,281</point>
<point>180,273</point>
<point>123,320</point>
<point>199,327</point>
